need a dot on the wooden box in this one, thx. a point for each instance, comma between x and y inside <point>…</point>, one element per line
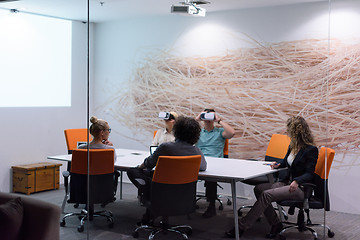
<point>35,177</point>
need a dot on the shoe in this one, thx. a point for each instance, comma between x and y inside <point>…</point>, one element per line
<point>231,233</point>
<point>275,230</point>
<point>210,212</point>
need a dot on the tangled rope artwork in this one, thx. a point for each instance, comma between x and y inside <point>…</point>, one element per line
<point>255,90</point>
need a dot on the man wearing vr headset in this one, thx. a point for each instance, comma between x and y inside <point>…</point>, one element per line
<point>211,143</point>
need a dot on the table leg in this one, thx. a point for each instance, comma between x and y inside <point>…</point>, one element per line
<point>236,217</point>
<point>121,182</point>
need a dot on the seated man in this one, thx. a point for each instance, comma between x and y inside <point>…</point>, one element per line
<point>211,143</point>
<point>186,131</point>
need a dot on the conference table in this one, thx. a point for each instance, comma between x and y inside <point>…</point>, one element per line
<point>218,169</point>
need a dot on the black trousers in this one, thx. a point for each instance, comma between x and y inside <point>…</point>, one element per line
<point>141,178</point>
<point>211,191</point>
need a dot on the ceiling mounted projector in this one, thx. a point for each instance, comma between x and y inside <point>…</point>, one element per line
<point>189,8</point>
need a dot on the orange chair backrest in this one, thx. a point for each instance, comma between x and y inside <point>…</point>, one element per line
<point>278,146</point>
<point>328,155</point>
<point>155,133</point>
<point>177,169</point>
<point>226,148</point>
<point>101,161</point>
<point>73,136</point>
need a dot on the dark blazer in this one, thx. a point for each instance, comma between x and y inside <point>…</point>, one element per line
<point>303,167</point>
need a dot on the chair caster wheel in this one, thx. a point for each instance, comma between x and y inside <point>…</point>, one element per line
<point>221,207</point>
<point>80,228</point>
<point>76,205</point>
<point>135,234</point>
<point>228,202</point>
<point>331,234</point>
<point>62,223</point>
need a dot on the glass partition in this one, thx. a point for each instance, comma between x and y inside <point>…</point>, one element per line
<point>255,65</point>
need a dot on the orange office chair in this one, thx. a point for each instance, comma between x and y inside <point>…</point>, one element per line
<point>72,137</point>
<point>316,196</point>
<point>101,170</point>
<point>75,136</point>
<point>173,193</point>
<point>275,152</point>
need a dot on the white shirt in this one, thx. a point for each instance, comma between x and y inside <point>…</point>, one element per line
<point>290,158</point>
<point>162,135</point>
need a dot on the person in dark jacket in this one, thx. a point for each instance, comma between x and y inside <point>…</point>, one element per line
<point>300,160</point>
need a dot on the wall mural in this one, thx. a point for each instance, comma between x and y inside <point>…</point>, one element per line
<point>255,90</point>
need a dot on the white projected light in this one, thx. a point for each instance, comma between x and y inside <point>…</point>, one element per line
<point>35,61</point>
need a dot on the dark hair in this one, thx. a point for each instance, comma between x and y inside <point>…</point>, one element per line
<point>299,133</point>
<point>208,110</point>
<point>187,129</point>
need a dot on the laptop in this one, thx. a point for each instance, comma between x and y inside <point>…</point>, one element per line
<point>152,149</point>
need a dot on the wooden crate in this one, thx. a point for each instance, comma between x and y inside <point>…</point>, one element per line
<point>36,177</point>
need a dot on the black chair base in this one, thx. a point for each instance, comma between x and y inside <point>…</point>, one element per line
<point>307,227</point>
<point>184,230</point>
<point>83,215</point>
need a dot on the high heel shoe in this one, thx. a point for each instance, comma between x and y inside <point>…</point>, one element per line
<point>231,233</point>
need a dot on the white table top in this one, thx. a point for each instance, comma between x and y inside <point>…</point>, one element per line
<point>219,169</point>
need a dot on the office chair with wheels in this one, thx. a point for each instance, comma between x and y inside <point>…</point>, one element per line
<point>275,152</point>
<point>73,137</point>
<point>173,193</point>
<point>101,170</point>
<point>316,196</point>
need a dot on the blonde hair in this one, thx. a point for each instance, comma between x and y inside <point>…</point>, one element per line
<point>299,133</point>
<point>174,114</point>
<point>97,125</point>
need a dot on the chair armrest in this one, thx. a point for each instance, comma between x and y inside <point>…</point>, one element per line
<point>308,189</point>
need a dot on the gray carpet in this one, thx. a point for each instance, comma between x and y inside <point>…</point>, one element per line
<point>128,211</point>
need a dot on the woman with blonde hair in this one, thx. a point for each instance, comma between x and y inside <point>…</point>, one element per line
<point>165,134</point>
<point>300,160</point>
<point>100,130</point>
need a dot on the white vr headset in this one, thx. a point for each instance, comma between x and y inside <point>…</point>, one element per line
<point>207,116</point>
<point>164,115</point>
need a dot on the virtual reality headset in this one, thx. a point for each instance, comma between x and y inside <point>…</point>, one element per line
<point>209,116</point>
<point>166,116</point>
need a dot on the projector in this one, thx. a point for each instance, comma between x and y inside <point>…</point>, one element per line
<point>188,10</point>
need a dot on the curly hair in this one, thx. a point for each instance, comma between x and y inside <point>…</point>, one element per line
<point>187,129</point>
<point>299,133</point>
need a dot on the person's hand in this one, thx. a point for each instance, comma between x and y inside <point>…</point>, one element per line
<point>107,142</point>
<point>293,186</point>
<point>198,117</point>
<point>217,118</point>
<point>274,165</point>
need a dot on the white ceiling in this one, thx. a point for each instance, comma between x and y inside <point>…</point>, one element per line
<point>116,9</point>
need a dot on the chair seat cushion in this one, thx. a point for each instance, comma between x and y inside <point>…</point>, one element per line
<point>313,203</point>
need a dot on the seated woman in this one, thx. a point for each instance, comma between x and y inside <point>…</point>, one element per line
<point>100,130</point>
<point>165,134</point>
<point>300,160</point>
